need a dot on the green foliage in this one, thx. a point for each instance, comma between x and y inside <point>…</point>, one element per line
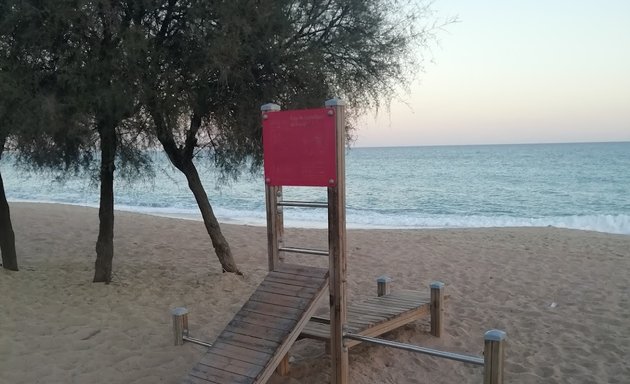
<point>69,74</point>
<point>219,61</point>
<point>196,71</point>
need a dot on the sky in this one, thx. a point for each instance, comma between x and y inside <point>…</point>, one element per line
<point>516,72</point>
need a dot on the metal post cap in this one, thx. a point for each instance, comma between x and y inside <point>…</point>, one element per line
<point>384,279</point>
<point>495,335</point>
<point>436,285</point>
<point>178,311</point>
<point>334,102</point>
<point>270,107</point>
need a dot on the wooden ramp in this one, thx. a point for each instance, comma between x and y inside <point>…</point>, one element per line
<point>262,332</point>
<point>374,316</point>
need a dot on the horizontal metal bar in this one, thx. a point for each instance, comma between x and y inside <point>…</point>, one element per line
<point>196,341</point>
<point>306,204</point>
<point>303,250</point>
<point>476,360</point>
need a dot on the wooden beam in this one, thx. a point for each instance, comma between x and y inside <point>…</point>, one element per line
<point>383,285</point>
<point>437,308</point>
<point>180,324</point>
<point>271,196</point>
<point>283,368</point>
<point>275,222</point>
<point>337,249</point>
<point>493,354</point>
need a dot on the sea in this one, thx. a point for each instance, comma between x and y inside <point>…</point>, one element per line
<point>581,186</point>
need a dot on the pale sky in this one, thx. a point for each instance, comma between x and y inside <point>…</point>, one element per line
<point>517,72</point>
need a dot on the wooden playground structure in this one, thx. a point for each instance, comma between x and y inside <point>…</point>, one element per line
<point>307,148</point>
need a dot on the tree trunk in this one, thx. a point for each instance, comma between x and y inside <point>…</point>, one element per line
<point>105,242</point>
<point>7,237</point>
<point>181,157</point>
<point>220,244</point>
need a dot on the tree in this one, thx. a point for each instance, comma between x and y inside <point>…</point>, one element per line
<point>7,237</point>
<point>86,86</point>
<point>211,64</point>
<point>198,70</point>
<point>8,104</point>
<point>175,87</point>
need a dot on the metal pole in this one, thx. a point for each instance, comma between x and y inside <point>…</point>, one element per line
<point>304,204</point>
<point>196,341</point>
<point>414,348</point>
<point>306,251</point>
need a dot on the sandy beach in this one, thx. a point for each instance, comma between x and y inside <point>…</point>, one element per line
<point>562,296</point>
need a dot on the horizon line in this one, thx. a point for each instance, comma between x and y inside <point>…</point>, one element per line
<point>491,144</point>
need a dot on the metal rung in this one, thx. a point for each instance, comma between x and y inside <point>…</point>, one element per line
<point>414,348</point>
<point>303,250</point>
<point>307,204</point>
<point>196,341</point>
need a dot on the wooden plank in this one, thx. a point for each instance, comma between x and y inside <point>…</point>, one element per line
<point>294,269</point>
<point>389,305</point>
<point>354,317</point>
<point>378,316</point>
<point>289,290</point>
<point>396,322</point>
<point>258,337</point>
<point>391,301</point>
<point>389,311</point>
<point>265,320</point>
<point>253,330</point>
<point>279,300</point>
<point>268,309</point>
<point>218,376</point>
<point>237,352</point>
<point>247,341</point>
<point>194,380</point>
<point>214,359</point>
<point>283,349</point>
<point>422,296</point>
<point>287,278</point>
<point>375,317</point>
<point>317,330</point>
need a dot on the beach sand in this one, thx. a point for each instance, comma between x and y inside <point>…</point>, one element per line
<point>562,296</point>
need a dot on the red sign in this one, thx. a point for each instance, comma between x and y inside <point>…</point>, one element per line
<point>299,147</point>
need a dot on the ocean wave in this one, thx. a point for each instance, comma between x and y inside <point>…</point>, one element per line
<point>357,219</point>
<point>617,224</point>
<point>373,219</point>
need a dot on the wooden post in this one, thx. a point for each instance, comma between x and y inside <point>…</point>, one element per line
<point>383,285</point>
<point>180,324</point>
<point>279,222</point>
<point>493,355</point>
<point>337,249</point>
<point>283,368</point>
<point>437,308</point>
<point>271,196</point>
